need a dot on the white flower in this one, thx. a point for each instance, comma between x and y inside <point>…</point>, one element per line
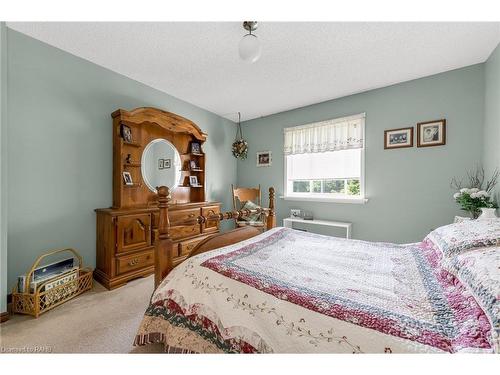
<point>473,190</point>
<point>457,195</point>
<point>475,195</point>
<point>483,193</point>
<point>464,190</point>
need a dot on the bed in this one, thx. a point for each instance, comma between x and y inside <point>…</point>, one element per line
<point>287,291</point>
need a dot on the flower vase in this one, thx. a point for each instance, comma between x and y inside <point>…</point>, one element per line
<point>488,213</point>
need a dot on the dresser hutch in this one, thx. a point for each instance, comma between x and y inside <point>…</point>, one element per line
<point>128,231</point>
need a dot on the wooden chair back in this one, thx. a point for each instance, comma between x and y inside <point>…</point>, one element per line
<point>244,194</point>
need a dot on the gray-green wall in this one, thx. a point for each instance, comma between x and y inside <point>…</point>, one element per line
<point>491,154</point>
<point>3,167</point>
<point>60,147</point>
<point>408,189</point>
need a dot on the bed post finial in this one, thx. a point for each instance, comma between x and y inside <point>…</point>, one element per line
<point>164,245</point>
<point>271,219</point>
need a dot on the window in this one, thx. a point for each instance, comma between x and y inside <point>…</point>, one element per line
<point>325,160</point>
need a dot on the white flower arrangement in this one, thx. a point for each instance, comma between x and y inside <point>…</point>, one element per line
<point>474,193</point>
<point>474,198</point>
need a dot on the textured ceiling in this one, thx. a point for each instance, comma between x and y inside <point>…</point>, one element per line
<point>301,63</point>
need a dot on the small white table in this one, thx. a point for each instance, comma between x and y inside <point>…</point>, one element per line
<point>288,223</point>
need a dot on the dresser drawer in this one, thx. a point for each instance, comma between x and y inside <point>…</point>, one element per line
<point>210,225</point>
<point>186,247</point>
<point>135,261</point>
<point>179,216</point>
<point>184,231</point>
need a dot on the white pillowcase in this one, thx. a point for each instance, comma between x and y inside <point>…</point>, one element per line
<point>456,238</point>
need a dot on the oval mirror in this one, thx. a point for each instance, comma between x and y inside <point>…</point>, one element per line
<point>161,165</point>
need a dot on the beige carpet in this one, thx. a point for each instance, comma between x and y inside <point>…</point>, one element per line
<point>98,321</point>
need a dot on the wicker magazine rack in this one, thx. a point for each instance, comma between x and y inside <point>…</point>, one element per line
<point>41,300</point>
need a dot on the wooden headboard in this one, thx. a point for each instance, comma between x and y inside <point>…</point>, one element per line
<point>165,245</point>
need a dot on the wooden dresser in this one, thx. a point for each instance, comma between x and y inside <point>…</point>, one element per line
<point>127,232</point>
<point>126,239</point>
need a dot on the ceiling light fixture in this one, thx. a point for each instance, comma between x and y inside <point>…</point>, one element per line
<point>249,47</point>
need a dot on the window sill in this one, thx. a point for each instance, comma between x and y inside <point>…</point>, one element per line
<point>326,200</point>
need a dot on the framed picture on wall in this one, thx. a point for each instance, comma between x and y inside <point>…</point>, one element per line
<point>431,133</point>
<point>398,138</point>
<point>264,159</point>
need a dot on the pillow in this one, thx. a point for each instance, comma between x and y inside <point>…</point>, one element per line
<point>455,238</point>
<point>479,271</point>
<point>249,205</point>
<point>459,219</point>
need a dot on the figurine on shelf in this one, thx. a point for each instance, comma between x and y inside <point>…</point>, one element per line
<point>126,133</point>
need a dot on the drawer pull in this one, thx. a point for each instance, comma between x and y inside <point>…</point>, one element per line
<point>133,262</point>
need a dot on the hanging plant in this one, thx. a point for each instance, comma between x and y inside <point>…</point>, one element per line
<point>240,146</point>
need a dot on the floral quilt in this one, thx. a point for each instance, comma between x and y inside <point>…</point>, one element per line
<point>288,291</point>
<point>479,270</point>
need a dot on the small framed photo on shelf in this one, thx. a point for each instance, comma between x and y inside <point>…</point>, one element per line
<point>398,138</point>
<point>193,165</point>
<point>126,133</point>
<point>195,148</point>
<point>127,178</point>
<point>307,215</point>
<point>160,164</point>
<point>264,159</point>
<point>295,213</point>
<point>193,181</point>
<point>431,133</point>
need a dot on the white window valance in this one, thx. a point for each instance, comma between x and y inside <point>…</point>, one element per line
<point>331,135</point>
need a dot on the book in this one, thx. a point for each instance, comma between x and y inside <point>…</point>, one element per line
<point>44,273</point>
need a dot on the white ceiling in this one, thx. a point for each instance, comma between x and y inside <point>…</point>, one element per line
<point>301,63</point>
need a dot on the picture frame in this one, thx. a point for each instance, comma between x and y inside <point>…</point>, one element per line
<point>398,138</point>
<point>264,158</point>
<point>193,181</point>
<point>127,178</point>
<point>295,213</point>
<point>195,148</point>
<point>193,165</point>
<point>126,133</point>
<point>431,133</point>
<point>164,163</point>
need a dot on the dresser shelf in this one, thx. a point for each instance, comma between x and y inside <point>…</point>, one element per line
<point>131,165</point>
<point>132,144</point>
